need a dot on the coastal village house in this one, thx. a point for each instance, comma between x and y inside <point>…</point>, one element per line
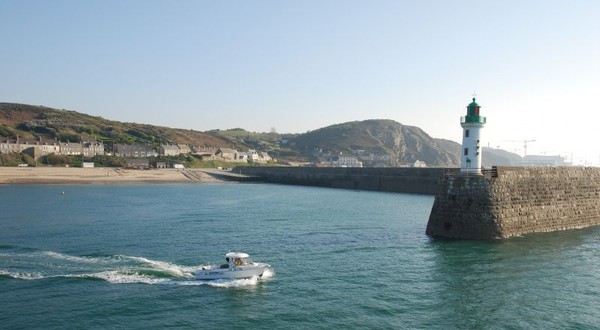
<point>7,146</point>
<point>87,149</point>
<point>133,150</point>
<point>232,155</point>
<point>252,156</point>
<point>227,154</point>
<point>40,148</point>
<point>206,153</point>
<point>184,149</point>
<point>263,156</point>
<point>242,157</point>
<point>129,151</point>
<point>258,156</point>
<point>168,150</point>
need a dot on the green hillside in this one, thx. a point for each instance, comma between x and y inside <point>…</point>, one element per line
<point>35,122</point>
<point>375,142</point>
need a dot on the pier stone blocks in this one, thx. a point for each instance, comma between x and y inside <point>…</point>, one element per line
<point>516,201</point>
<point>394,179</point>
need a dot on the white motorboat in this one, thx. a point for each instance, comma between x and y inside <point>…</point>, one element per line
<point>238,266</point>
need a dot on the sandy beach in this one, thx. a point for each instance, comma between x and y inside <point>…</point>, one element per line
<point>99,175</point>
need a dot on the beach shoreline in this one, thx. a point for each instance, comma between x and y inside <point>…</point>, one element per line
<point>100,175</point>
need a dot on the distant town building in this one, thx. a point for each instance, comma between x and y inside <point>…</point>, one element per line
<point>87,149</point>
<point>90,149</point>
<point>258,156</point>
<point>206,153</point>
<point>39,148</point>
<point>227,154</point>
<point>543,160</point>
<point>252,156</point>
<point>52,148</point>
<point>133,150</point>
<point>184,149</point>
<point>68,148</point>
<point>168,150</point>
<point>242,156</point>
<point>346,161</point>
<point>419,163</point>
<point>263,156</point>
<point>7,145</point>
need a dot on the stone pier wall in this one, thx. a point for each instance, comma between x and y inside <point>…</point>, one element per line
<point>405,180</point>
<point>516,201</point>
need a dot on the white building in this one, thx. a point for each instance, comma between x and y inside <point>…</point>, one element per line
<point>544,160</point>
<point>346,161</point>
<point>419,163</point>
<point>472,123</point>
<point>258,156</point>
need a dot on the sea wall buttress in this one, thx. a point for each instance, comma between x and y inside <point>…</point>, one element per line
<point>515,201</point>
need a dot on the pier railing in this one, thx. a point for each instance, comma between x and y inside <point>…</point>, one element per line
<point>486,172</point>
<point>472,119</point>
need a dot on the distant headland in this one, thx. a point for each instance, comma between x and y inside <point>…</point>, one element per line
<point>368,143</point>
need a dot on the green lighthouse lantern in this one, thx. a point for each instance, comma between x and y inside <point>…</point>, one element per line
<point>473,114</point>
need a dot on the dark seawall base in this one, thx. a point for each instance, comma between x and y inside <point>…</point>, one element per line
<point>516,201</point>
<point>404,180</point>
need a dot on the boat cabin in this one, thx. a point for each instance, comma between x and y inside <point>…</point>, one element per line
<point>235,259</point>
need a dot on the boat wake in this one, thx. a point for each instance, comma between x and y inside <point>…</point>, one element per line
<point>28,264</point>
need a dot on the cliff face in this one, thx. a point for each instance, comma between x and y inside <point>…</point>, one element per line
<point>515,202</point>
<point>403,144</point>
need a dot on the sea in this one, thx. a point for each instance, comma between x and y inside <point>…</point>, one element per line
<point>123,257</point>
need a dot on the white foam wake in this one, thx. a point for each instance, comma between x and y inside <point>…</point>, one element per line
<point>118,269</point>
<point>122,277</point>
<point>22,275</point>
<point>269,273</point>
<point>167,267</point>
<point>66,257</point>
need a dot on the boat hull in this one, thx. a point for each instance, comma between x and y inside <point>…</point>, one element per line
<point>230,273</point>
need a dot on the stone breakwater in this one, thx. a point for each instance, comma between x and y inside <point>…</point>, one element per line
<point>515,201</point>
<point>404,180</point>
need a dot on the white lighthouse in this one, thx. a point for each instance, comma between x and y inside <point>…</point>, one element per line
<point>472,123</point>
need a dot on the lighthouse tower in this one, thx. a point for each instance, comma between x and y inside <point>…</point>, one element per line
<point>472,123</point>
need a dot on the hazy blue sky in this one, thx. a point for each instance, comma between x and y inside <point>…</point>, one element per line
<point>300,65</point>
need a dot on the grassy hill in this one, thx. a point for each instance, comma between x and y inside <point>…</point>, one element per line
<point>403,144</point>
<point>34,122</point>
<point>376,142</point>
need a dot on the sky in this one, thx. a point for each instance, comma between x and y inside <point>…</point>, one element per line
<point>297,66</point>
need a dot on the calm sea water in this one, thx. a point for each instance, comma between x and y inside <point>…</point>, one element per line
<point>123,257</point>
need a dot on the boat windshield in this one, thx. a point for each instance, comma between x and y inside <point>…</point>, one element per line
<point>242,261</point>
